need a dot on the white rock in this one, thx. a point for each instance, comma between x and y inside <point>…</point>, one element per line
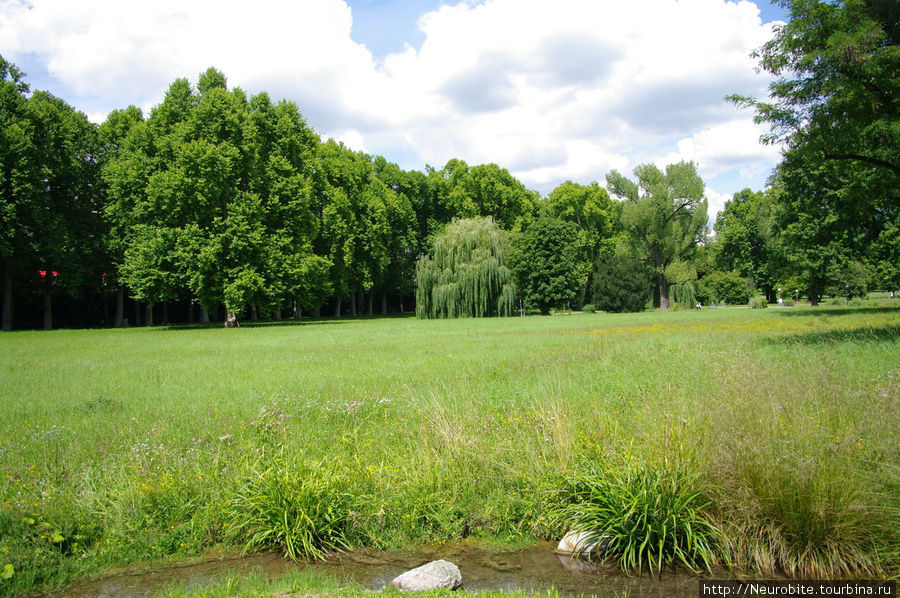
<point>436,574</point>
<point>581,543</point>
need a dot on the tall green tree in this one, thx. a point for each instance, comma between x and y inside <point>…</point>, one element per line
<point>595,215</point>
<point>215,196</point>
<point>664,215</point>
<point>465,191</point>
<point>546,265</point>
<point>837,88</point>
<point>466,274</point>
<point>745,238</point>
<point>50,203</point>
<point>835,107</point>
<point>122,190</point>
<point>18,161</point>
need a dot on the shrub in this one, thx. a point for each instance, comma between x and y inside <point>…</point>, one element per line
<point>723,287</point>
<point>589,308</point>
<point>758,302</point>
<point>621,285</point>
<point>651,515</point>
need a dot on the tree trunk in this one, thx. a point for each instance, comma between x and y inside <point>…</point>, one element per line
<point>137,312</point>
<point>120,307</point>
<point>277,314</point>
<point>317,312</point>
<point>190,313</point>
<point>663,291</point>
<point>105,304</point>
<point>584,290</point>
<point>165,313</point>
<point>337,307</point>
<point>371,298</point>
<point>353,303</point>
<point>814,294</point>
<point>204,315</point>
<point>384,303</point>
<point>253,315</point>
<point>401,305</point>
<point>148,319</point>
<point>48,308</point>
<point>7,296</point>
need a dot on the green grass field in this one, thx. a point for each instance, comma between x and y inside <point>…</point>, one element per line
<point>131,446</point>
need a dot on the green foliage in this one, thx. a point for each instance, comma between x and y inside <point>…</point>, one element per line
<point>648,514</point>
<point>589,308</point>
<point>297,507</point>
<point>664,214</point>
<point>724,288</point>
<point>485,190</point>
<point>758,302</point>
<point>835,65</point>
<point>833,107</point>
<point>545,264</point>
<point>682,296</point>
<point>621,284</point>
<point>466,275</point>
<point>745,238</point>
<point>848,280</point>
<point>596,216</point>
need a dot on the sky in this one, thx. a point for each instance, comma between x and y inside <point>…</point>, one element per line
<point>552,90</point>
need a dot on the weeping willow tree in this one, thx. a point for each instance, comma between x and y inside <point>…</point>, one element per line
<point>683,296</point>
<point>466,275</point>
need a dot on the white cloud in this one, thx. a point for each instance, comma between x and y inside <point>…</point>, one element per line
<point>552,91</point>
<point>727,146</point>
<point>716,202</point>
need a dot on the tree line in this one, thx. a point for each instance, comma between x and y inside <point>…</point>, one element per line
<point>222,203</point>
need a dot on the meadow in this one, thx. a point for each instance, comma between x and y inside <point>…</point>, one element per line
<point>772,436</point>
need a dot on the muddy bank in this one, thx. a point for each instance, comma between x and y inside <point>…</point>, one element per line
<point>534,568</point>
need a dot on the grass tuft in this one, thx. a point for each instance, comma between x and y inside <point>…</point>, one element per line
<point>650,515</point>
<point>300,508</point>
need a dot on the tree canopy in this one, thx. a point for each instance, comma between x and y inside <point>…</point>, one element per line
<point>466,275</point>
<point>664,214</point>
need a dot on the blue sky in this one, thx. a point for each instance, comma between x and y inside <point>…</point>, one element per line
<point>551,90</point>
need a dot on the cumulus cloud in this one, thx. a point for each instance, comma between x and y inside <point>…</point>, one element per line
<point>552,91</point>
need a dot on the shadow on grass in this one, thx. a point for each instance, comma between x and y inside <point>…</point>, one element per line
<point>887,333</point>
<point>838,311</point>
<point>282,323</point>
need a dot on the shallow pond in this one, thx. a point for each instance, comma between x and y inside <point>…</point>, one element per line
<point>533,568</point>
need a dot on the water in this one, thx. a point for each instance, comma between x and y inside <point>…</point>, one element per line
<point>534,568</point>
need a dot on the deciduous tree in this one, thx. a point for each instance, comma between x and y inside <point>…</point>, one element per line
<point>664,215</point>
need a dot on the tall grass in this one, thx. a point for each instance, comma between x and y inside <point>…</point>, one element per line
<point>144,445</point>
<point>647,516</point>
<point>301,508</point>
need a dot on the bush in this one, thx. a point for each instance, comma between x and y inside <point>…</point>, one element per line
<point>788,303</point>
<point>621,285</point>
<point>758,302</point>
<point>723,287</point>
<point>589,308</point>
<point>651,515</point>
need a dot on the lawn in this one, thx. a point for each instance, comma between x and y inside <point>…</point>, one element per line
<point>143,445</point>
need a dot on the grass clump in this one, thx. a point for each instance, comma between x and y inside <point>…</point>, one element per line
<point>300,508</point>
<point>649,514</point>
